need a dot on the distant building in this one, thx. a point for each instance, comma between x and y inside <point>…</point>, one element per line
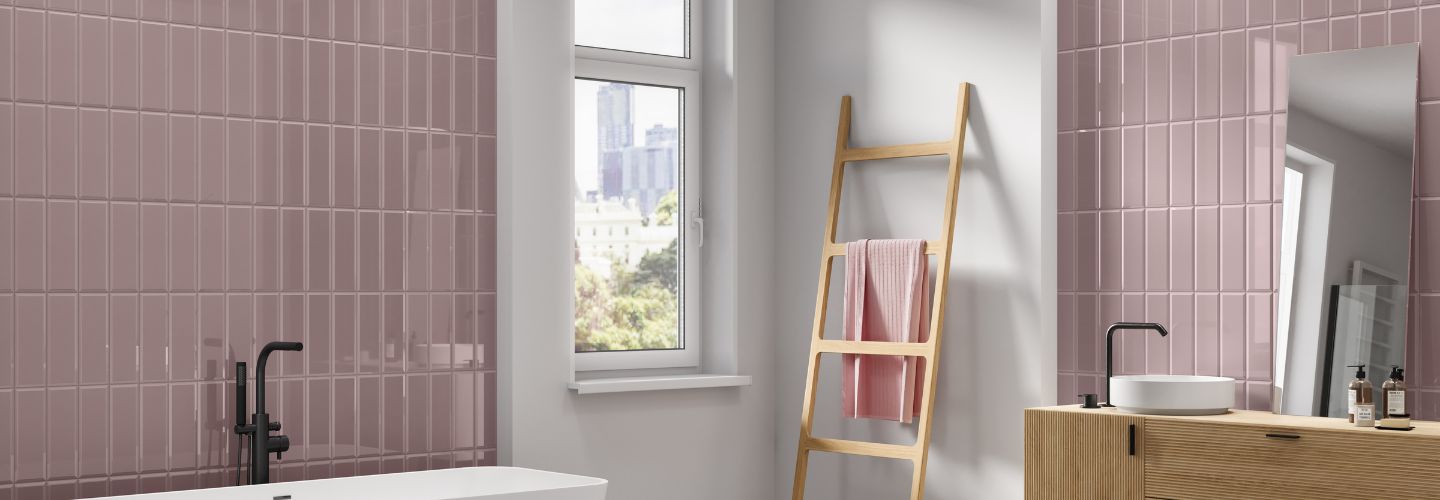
<point>653,170</point>
<point>615,131</point>
<point>612,230</point>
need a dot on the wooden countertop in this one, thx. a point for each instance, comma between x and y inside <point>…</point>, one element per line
<point>1264,418</point>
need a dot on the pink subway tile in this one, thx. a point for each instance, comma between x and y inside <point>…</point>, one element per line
<point>1428,243</point>
<point>1207,75</point>
<point>1112,168</point>
<point>1261,51</point>
<point>154,151</point>
<point>418,170</point>
<point>29,46</point>
<point>7,254</point>
<point>418,29</point>
<point>1374,30</point>
<point>267,76</point>
<point>367,85</point>
<point>1065,172</point>
<point>240,328</point>
<point>1404,26</point>
<point>345,20</point>
<point>239,252</point>
<point>29,244</point>
<point>292,164</point>
<point>267,248</point>
<point>417,252</point>
<point>1131,352</point>
<point>1111,258</point>
<point>1286,45</point>
<point>319,17</point>
<point>393,415</point>
<point>345,250</point>
<point>211,98</point>
<point>368,171</point>
<point>1207,334</point>
<point>317,165</point>
<point>1207,15</point>
<point>154,433</point>
<point>345,83</point>
<point>7,143</point>
<point>1066,342</point>
<point>93,432</point>
<point>154,258</point>
<point>63,423</point>
<point>61,246</point>
<point>1157,18</point>
<point>93,167</point>
<point>1428,176</point>
<point>1182,250</point>
<point>442,252</point>
<point>94,65</point>
<point>1259,332</point>
<point>486,17</point>
<point>467,28</point>
<point>1088,333</point>
<point>417,439</point>
<point>1132,84</point>
<point>344,182</point>
<point>1182,16</point>
<point>1261,173</point>
<point>1181,163</point>
<point>29,451</point>
<point>487,249</point>
<point>1086,258</point>
<point>1234,81</point>
<point>1182,334</point>
<point>183,11</point>
<point>393,88</point>
<point>1087,78</point>
<point>1373,5</point>
<point>417,71</point>
<point>186,57</point>
<point>1342,7</point>
<point>7,47</point>
<point>292,79</point>
<point>1261,11</point>
<point>124,246</point>
<point>1157,81</point>
<point>1157,250</point>
<point>94,231</point>
<point>61,169</point>
<point>1232,335</point>
<point>124,155</point>
<point>212,248</point>
<point>317,74</point>
<point>61,336</point>
<point>369,245</point>
<point>30,148</point>
<point>292,249</point>
<point>1087,174</point>
<point>467,252</point>
<point>345,335</point>
<point>1207,248</point>
<point>1157,348</point>
<point>443,22</point>
<point>154,338</point>
<point>1344,33</point>
<point>240,162</point>
<point>1207,162</point>
<point>440,83</point>
<point>292,17</point>
<point>124,431</point>
<point>1232,161</point>
<point>1133,160</point>
<point>317,245</point>
<point>62,58</point>
<point>442,172</point>
<point>267,189</point>
<point>1157,168</point>
<point>184,353</point>
<point>1087,23</point>
<point>239,73</point>
<point>184,429</point>
<point>1233,254</point>
<point>184,176</point>
<point>30,357</point>
<point>465,74</point>
<point>1314,37</point>
<point>321,422</point>
<point>238,12</point>
<point>1429,63</point>
<point>1233,13</point>
<point>369,348</point>
<point>1110,87</point>
<point>1314,9</point>
<point>267,16</point>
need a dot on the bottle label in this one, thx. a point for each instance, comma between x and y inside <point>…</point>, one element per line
<point>1364,414</point>
<point>1395,402</point>
<point>1351,398</point>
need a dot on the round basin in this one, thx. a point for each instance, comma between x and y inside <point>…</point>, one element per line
<point>1172,394</point>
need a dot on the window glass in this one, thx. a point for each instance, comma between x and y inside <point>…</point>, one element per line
<point>648,26</point>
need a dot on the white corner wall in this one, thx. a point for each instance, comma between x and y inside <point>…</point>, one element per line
<point>902,60</point>
<point>701,444</point>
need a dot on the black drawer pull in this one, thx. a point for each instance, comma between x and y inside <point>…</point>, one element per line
<point>1281,436</point>
<point>1132,440</point>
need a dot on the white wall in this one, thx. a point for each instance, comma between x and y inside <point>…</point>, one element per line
<point>695,444</point>
<point>902,60</point>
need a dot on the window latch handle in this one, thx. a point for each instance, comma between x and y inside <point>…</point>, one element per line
<point>699,229</point>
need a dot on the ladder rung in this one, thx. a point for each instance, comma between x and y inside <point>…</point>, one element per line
<point>865,448</point>
<point>918,349</point>
<point>901,151</point>
<point>932,247</point>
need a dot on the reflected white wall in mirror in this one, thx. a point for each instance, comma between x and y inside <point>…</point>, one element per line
<point>1344,253</point>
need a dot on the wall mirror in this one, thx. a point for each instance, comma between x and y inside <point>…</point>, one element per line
<point>1344,252</point>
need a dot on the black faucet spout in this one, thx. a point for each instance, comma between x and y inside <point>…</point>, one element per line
<point>1110,345</point>
<point>262,444</point>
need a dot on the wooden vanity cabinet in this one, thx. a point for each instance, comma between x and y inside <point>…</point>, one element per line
<point>1075,453</point>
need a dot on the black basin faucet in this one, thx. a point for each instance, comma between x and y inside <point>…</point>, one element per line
<point>1110,344</point>
<point>262,444</point>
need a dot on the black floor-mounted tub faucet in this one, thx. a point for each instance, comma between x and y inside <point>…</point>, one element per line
<point>262,444</point>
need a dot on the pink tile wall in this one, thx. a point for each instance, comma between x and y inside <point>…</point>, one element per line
<point>1172,126</point>
<point>182,181</point>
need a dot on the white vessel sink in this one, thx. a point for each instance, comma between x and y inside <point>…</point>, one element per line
<point>1172,394</point>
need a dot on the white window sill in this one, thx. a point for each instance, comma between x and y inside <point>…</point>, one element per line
<point>657,383</point>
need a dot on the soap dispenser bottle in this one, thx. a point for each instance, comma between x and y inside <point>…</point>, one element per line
<point>1361,392</point>
<point>1393,392</point>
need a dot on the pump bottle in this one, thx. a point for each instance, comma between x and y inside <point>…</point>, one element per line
<point>1361,392</point>
<point>1393,392</point>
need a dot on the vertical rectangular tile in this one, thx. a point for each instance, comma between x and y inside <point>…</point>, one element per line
<point>29,46</point>
<point>1157,250</point>
<point>1259,331</point>
<point>1087,98</point>
<point>30,149</point>
<point>1232,161</point>
<point>94,334</point>
<point>317,69</point>
<point>1233,253</point>
<point>124,155</point>
<point>1134,250</point>
<point>1111,259</point>
<point>154,165</point>
<point>1234,78</point>
<point>292,164</point>
<point>1087,152</point>
<point>1133,84</point>
<point>1232,335</point>
<point>1314,37</point>
<point>267,248</point>
<point>1134,188</point>
<point>154,339</point>
<point>30,449</point>
<point>266,180</point>
<point>1181,163</point>
<point>154,434</point>
<point>1207,248</point>
<point>1207,162</point>
<point>240,241</point>
<point>93,432</point>
<point>1207,15</point>
<point>184,348</point>
<point>7,247</point>
<point>93,157</point>
<point>184,247</point>
<point>318,246</point>
<point>467,89</point>
<point>212,244</point>
<point>441,103</point>
<point>62,57</point>
<point>1207,334</point>
<point>321,420</point>
<point>1182,249</point>
<point>393,89</point>
<point>61,245</point>
<point>29,245</point>
<point>124,338</point>
<point>292,249</point>
<point>239,73</point>
<point>61,170</point>
<point>184,429</point>
<point>267,76</point>
<point>1374,30</point>
<point>1207,75</point>
<point>317,165</point>
<point>61,337</point>
<point>1157,168</point>
<point>1157,81</point>
<point>292,79</point>
<point>417,71</point>
<point>63,425</point>
<point>1065,173</point>
<point>393,415</point>
<point>154,237</point>
<point>211,78</point>
<point>1110,87</point>
<point>1261,51</point>
<point>319,343</point>
<point>94,63</point>
<point>1111,171</point>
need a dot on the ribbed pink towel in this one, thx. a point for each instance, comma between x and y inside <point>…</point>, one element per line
<point>885,286</point>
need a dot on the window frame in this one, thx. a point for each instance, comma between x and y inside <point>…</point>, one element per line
<point>592,63</point>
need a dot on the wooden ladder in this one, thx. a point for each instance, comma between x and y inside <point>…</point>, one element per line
<point>929,350</point>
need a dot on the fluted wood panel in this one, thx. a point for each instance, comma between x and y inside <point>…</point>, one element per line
<point>1198,459</point>
<point>1078,456</point>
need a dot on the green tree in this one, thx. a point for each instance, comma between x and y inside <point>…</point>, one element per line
<point>633,309</point>
<point>667,208</point>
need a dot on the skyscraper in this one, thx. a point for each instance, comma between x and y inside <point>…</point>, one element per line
<point>615,128</point>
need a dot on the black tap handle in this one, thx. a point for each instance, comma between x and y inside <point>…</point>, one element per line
<point>274,426</point>
<point>278,444</point>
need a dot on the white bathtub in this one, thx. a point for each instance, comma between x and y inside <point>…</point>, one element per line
<point>477,483</point>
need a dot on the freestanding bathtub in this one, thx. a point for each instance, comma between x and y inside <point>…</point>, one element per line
<point>470,483</point>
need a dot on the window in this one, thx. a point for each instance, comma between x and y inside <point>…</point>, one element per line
<point>636,186</point>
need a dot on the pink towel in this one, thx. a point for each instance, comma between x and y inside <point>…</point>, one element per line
<point>885,286</point>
